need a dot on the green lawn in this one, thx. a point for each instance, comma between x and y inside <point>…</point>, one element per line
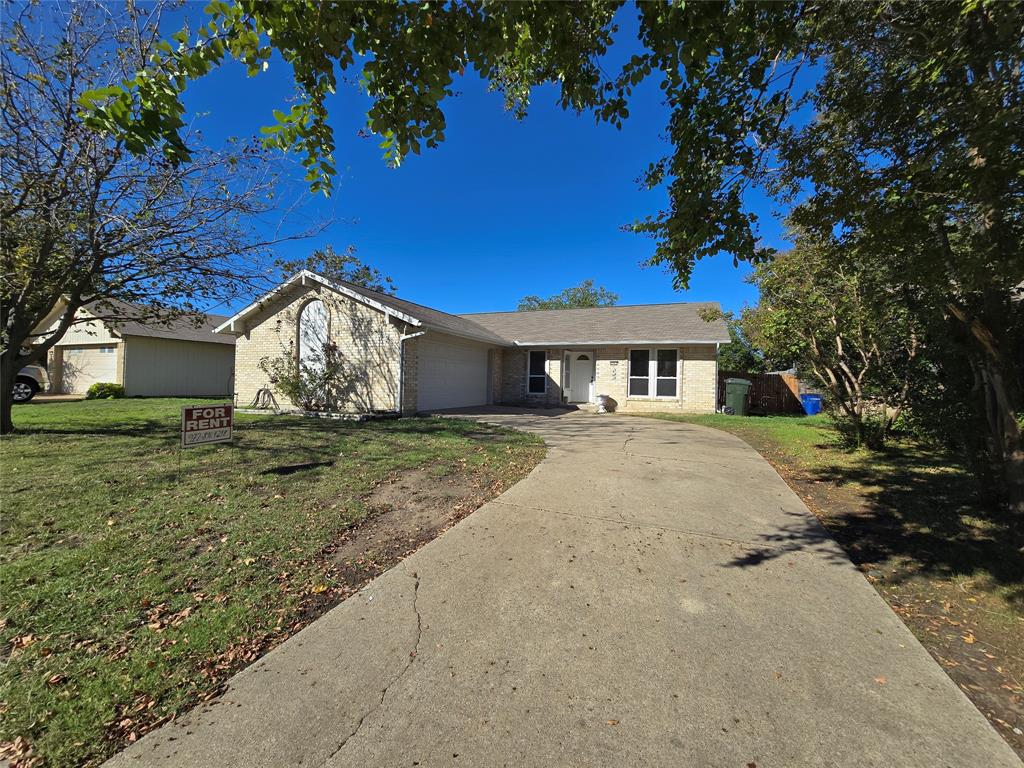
<point>136,577</point>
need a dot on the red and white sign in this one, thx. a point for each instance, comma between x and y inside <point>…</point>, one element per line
<point>203,424</point>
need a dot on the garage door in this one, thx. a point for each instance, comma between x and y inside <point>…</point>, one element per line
<point>452,374</point>
<point>84,366</point>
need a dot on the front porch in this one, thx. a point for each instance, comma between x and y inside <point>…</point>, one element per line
<point>640,378</point>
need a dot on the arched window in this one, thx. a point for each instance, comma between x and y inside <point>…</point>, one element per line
<point>313,333</point>
<point>583,357</point>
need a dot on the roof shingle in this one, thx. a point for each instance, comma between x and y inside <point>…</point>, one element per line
<point>646,323</point>
<point>458,325</point>
<point>136,320</point>
<point>679,323</point>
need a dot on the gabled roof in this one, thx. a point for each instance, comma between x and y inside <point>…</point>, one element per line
<point>638,324</point>
<point>678,323</point>
<point>458,325</point>
<point>406,311</point>
<point>126,319</point>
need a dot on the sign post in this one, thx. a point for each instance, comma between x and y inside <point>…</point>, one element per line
<point>205,424</point>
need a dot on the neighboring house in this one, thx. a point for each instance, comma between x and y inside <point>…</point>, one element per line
<point>179,358</point>
<point>405,357</point>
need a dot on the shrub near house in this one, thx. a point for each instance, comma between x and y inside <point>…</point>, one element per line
<point>104,391</point>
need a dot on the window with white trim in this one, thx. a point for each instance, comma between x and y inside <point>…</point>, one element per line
<point>653,373</point>
<point>639,372</point>
<point>537,377</point>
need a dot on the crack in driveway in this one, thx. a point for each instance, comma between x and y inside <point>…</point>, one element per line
<point>413,654</point>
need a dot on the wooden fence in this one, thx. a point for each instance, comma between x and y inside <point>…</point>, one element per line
<point>772,392</point>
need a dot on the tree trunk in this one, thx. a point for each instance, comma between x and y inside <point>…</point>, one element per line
<point>9,367</point>
<point>1002,407</point>
<point>1006,434</point>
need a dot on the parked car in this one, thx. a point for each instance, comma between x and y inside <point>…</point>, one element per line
<point>31,380</point>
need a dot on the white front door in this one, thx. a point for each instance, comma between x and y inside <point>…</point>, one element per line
<point>581,375</point>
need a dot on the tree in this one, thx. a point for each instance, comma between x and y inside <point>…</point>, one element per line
<point>898,124</point>
<point>739,355</point>
<point>345,267</point>
<point>89,218</point>
<point>918,159</point>
<point>582,295</point>
<point>834,317</point>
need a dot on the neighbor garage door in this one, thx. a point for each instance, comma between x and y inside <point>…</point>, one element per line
<point>452,373</point>
<point>86,365</point>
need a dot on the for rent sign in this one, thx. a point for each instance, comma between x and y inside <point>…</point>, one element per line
<point>202,424</point>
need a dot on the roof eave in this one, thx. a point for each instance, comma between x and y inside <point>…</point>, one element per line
<point>617,342</point>
<point>303,278</point>
<point>492,340</point>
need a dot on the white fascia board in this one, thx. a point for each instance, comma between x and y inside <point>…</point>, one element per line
<point>618,343</point>
<point>302,278</point>
<point>471,336</point>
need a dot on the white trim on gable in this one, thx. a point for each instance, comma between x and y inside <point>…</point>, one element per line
<point>302,278</point>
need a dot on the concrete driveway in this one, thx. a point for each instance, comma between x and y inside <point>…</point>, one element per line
<point>653,594</point>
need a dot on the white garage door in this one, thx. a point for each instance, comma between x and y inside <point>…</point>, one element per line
<point>84,366</point>
<point>452,374</point>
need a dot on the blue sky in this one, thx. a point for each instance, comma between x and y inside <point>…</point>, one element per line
<point>502,209</point>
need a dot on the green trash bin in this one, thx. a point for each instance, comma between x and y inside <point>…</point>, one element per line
<point>737,395</point>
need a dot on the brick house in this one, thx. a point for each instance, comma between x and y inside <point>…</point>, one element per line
<point>405,357</point>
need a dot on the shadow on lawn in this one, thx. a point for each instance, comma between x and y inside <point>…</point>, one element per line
<point>169,429</point>
<point>277,445</point>
<point>133,428</point>
<point>911,509</point>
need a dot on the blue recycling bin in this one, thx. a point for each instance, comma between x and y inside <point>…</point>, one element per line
<point>811,404</point>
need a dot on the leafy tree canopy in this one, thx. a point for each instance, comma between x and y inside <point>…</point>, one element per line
<point>345,267</point>
<point>408,56</point>
<point>88,218</point>
<point>832,314</point>
<point>582,295</point>
<point>739,355</point>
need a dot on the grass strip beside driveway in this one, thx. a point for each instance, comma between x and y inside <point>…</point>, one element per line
<point>133,589</point>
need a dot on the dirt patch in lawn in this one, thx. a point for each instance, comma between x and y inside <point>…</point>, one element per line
<point>407,511</point>
<point>914,537</point>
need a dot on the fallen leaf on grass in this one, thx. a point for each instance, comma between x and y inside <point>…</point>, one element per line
<point>24,641</point>
<point>57,679</point>
<point>19,752</point>
<point>970,639</point>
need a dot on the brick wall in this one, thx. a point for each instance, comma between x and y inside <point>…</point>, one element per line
<point>700,378</point>
<point>613,380</point>
<point>495,364</point>
<point>513,378</point>
<point>611,373</point>
<point>696,388</point>
<point>368,343</point>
